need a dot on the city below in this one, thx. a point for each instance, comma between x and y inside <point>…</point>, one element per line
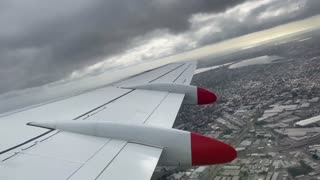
<point>268,108</point>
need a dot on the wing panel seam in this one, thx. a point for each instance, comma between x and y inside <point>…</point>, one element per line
<point>166,73</point>
<point>89,159</point>
<point>104,104</point>
<point>181,73</point>
<point>49,157</point>
<point>124,79</point>
<point>21,144</point>
<point>155,108</point>
<point>111,160</point>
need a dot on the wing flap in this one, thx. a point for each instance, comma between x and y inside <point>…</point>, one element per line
<point>186,76</point>
<point>148,76</point>
<point>99,162</point>
<point>171,76</point>
<point>29,166</point>
<point>135,162</point>
<point>166,112</point>
<point>69,147</point>
<point>135,107</point>
<point>83,157</point>
<point>62,156</point>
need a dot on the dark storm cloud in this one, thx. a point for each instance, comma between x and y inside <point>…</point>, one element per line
<point>42,41</point>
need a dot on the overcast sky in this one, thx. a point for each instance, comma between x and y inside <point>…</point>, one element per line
<point>42,41</point>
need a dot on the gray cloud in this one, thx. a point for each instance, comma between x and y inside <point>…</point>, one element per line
<point>257,16</point>
<point>43,41</point>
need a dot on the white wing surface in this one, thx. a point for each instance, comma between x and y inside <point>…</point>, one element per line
<point>28,152</point>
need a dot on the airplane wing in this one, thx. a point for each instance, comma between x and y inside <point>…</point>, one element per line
<point>28,152</point>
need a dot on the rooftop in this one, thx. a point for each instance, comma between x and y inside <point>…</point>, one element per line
<point>308,121</point>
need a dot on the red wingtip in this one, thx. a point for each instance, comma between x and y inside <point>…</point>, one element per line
<point>206,151</point>
<point>205,96</point>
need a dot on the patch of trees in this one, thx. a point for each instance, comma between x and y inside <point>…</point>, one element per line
<point>300,170</point>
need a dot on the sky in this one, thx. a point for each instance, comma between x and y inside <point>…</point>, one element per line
<point>43,41</point>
